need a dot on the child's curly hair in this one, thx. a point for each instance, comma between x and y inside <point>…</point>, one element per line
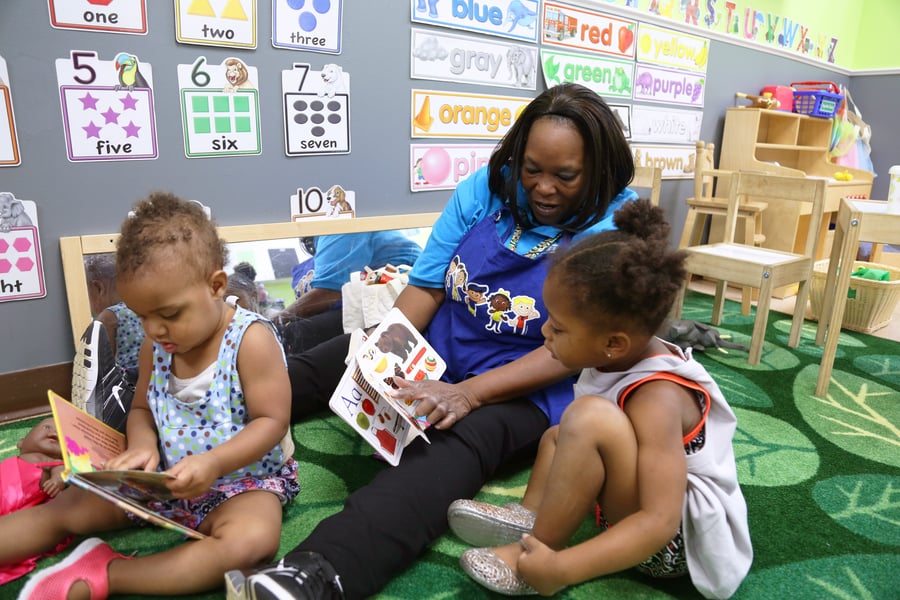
<point>629,275</point>
<point>163,227</point>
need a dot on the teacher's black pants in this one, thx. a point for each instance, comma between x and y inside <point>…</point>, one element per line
<point>388,523</point>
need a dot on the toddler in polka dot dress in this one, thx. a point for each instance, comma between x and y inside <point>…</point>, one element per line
<point>221,433</point>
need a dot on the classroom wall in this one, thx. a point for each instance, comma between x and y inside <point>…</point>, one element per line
<point>93,197</point>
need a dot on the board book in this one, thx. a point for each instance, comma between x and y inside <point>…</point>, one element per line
<point>363,397</point>
<point>86,444</point>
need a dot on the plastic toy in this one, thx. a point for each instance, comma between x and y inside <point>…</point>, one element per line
<point>765,100</point>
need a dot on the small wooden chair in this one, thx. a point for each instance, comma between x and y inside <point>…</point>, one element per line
<point>704,205</point>
<point>650,178</point>
<point>761,268</point>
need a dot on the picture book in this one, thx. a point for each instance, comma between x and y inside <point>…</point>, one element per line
<point>364,398</point>
<point>86,444</point>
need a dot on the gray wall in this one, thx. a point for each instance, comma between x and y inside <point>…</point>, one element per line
<point>75,199</point>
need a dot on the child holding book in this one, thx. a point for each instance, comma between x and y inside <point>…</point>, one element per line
<point>212,407</point>
<point>648,437</point>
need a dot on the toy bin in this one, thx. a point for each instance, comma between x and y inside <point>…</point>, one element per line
<point>870,303</point>
<point>817,98</point>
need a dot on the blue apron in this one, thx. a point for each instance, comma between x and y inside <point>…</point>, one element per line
<point>493,312</point>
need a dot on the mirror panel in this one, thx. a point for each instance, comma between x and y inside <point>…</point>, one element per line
<point>277,236</point>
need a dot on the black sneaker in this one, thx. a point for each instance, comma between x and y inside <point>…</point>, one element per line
<point>100,386</point>
<point>308,576</point>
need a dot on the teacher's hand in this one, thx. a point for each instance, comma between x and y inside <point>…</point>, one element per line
<point>442,404</point>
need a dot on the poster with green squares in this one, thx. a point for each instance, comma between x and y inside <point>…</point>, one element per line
<point>219,109</point>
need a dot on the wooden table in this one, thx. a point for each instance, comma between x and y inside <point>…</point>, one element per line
<point>857,221</point>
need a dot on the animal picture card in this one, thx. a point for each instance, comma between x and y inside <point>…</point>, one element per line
<point>9,140</point>
<point>225,23</point>
<point>316,110</point>
<point>311,25</point>
<point>219,108</point>
<point>107,107</point>
<point>104,16</point>
<point>21,268</point>
<point>312,203</point>
<point>363,398</point>
<point>397,349</point>
<point>375,419</point>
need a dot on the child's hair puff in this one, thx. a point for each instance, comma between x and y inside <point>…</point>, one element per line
<point>628,274</point>
<point>165,227</point>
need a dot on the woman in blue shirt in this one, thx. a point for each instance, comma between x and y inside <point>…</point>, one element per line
<point>559,174</point>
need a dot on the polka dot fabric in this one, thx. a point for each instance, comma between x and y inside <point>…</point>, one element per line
<point>197,427</point>
<point>129,335</point>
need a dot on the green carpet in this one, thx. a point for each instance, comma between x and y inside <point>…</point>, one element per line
<point>821,477</point>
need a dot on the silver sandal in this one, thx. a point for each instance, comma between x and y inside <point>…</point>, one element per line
<point>485,567</point>
<point>486,525</point>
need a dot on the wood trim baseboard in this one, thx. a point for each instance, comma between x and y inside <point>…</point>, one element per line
<point>25,392</point>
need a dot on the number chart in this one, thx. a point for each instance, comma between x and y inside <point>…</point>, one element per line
<point>9,143</point>
<point>220,109</point>
<point>316,110</point>
<point>107,107</point>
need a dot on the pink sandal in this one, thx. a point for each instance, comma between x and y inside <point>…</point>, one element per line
<point>88,562</point>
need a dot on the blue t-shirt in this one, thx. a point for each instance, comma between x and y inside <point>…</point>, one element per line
<point>471,202</point>
<point>339,255</point>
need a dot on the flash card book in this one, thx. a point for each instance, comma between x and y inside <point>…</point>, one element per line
<point>363,397</point>
<point>86,444</point>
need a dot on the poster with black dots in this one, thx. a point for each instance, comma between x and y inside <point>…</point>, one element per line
<point>316,110</point>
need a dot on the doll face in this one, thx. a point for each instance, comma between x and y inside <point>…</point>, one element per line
<point>42,438</point>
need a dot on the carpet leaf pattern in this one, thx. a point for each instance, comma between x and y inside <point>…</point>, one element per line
<point>859,415</point>
<point>771,452</point>
<point>868,505</point>
<point>821,478</point>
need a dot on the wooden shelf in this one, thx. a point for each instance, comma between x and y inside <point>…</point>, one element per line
<point>790,144</point>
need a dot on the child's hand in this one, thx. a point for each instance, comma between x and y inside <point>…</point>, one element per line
<point>145,459</point>
<point>538,566</point>
<point>194,475</point>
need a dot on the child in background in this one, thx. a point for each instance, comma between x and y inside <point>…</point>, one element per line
<point>123,326</point>
<point>170,260</point>
<point>31,478</point>
<point>648,437</point>
<point>243,288</point>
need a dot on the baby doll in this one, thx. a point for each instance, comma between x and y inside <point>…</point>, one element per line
<point>31,478</point>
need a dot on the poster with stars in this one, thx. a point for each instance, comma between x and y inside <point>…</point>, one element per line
<point>311,25</point>
<point>226,23</point>
<point>107,107</point>
<point>9,141</point>
<point>21,268</point>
